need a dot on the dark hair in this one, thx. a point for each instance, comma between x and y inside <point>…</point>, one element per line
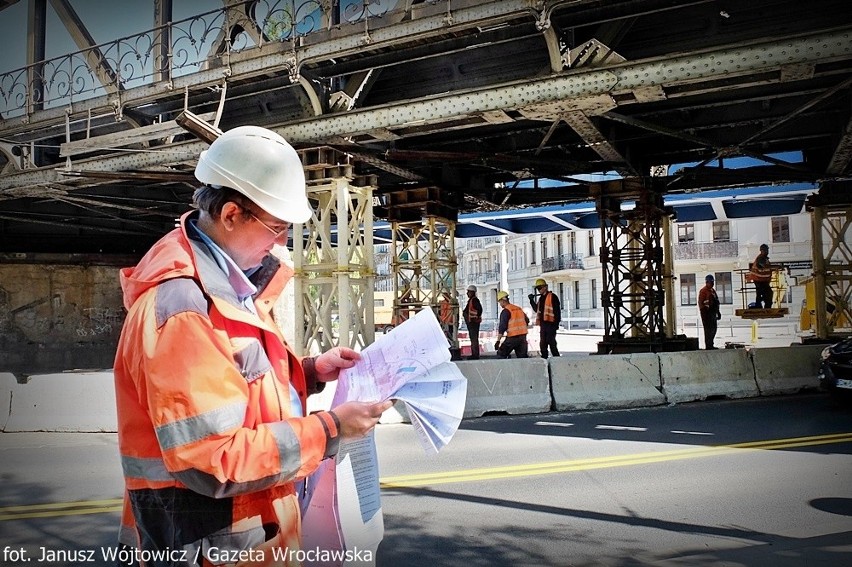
<point>211,200</point>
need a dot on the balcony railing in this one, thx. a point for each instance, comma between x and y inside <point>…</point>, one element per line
<point>173,50</point>
<point>562,262</point>
<point>477,243</point>
<point>488,276</point>
<point>706,250</point>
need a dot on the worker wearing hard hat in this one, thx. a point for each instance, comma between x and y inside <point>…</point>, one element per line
<point>513,324</point>
<point>212,428</point>
<point>472,314</point>
<point>548,314</point>
<point>761,275</point>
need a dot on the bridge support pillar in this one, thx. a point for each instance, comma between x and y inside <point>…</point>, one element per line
<point>637,294</point>
<point>335,271</point>
<point>831,226</point>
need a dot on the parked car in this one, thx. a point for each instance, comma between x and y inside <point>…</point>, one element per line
<point>835,368</point>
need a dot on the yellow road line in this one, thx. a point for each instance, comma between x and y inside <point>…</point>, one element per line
<point>490,473</point>
<point>57,509</point>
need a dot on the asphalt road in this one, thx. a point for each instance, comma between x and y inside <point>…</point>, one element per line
<point>748,482</point>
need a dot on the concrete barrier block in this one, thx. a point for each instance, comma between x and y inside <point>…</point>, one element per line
<point>80,401</point>
<point>514,386</point>
<point>606,381</point>
<point>786,370</point>
<point>7,383</point>
<point>701,374</point>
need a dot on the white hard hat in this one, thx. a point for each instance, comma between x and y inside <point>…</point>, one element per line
<point>261,165</point>
<point>471,288</point>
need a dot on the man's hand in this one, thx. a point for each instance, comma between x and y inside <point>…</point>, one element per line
<point>328,364</point>
<point>358,418</point>
<point>531,297</point>
<point>497,345</point>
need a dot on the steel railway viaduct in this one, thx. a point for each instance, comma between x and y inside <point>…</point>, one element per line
<point>413,113</point>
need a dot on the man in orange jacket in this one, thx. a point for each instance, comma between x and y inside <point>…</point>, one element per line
<point>212,428</point>
<point>513,324</point>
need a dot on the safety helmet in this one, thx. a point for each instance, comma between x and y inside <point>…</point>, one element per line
<point>261,165</point>
<point>539,282</point>
<point>471,288</point>
<point>709,278</point>
<point>502,295</point>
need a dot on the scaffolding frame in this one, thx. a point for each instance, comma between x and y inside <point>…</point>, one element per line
<point>832,254</point>
<point>424,269</point>
<point>332,256</point>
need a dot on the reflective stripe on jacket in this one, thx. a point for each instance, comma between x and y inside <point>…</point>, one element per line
<point>517,321</point>
<point>545,313</point>
<point>208,442</point>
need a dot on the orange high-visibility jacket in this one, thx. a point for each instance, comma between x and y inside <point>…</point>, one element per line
<point>518,321</point>
<point>209,445</point>
<point>545,311</point>
<point>761,269</point>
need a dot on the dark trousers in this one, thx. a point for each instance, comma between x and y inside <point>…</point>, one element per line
<point>517,344</point>
<point>764,294</point>
<point>473,331</point>
<point>548,339</point>
<point>709,332</point>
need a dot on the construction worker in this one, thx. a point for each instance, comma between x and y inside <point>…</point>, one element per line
<point>212,428</point>
<point>761,275</point>
<point>708,308</point>
<point>548,314</point>
<point>472,314</point>
<point>513,324</point>
<point>445,314</point>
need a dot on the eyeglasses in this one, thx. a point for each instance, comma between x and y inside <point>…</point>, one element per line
<point>277,233</point>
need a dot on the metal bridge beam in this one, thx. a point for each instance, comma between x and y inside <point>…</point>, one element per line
<point>583,88</point>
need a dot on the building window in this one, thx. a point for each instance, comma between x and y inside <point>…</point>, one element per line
<point>686,232</point>
<point>591,243</point>
<point>688,295</point>
<point>521,261</point>
<point>572,243</point>
<point>543,249</point>
<point>780,229</point>
<point>532,252</point>
<point>512,260</point>
<point>594,294</point>
<point>722,231</point>
<point>576,295</point>
<point>724,288</point>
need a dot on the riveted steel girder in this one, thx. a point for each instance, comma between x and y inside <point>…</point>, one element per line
<point>687,70</point>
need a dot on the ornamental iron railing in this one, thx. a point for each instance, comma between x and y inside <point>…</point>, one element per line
<point>177,49</point>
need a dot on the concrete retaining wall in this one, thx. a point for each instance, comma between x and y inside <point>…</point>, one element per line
<point>786,370</point>
<point>57,317</point>
<point>610,381</point>
<point>513,386</point>
<point>698,375</point>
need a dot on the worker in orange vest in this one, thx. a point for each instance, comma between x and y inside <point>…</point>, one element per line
<point>445,314</point>
<point>472,314</point>
<point>212,428</point>
<point>513,324</point>
<point>761,275</point>
<point>548,314</point>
